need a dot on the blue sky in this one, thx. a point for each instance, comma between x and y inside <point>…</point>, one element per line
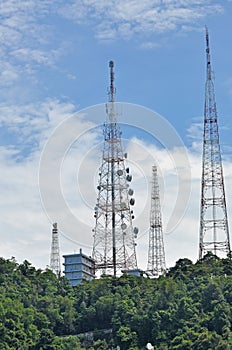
<point>54,62</point>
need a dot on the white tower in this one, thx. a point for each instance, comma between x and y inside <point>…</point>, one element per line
<point>156,256</point>
<point>114,235</point>
<point>55,251</point>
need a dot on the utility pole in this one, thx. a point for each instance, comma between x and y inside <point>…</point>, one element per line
<point>55,251</point>
<point>214,230</point>
<point>156,256</point>
<point>114,235</point>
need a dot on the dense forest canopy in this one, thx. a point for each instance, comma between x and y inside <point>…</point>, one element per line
<point>189,308</point>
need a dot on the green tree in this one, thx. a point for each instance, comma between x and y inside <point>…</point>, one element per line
<point>126,338</point>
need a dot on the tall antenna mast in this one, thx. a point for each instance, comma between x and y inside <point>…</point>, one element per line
<point>214,230</point>
<point>156,256</point>
<point>114,244</point>
<point>55,251</point>
<point>112,89</point>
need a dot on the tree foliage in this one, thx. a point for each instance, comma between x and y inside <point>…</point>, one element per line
<point>189,308</point>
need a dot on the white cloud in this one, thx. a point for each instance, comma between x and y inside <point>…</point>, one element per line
<point>38,56</point>
<point>32,123</point>
<point>124,19</point>
<point>9,74</point>
<point>27,43</point>
<point>26,40</point>
<point>25,228</point>
<point>30,41</point>
<point>150,45</point>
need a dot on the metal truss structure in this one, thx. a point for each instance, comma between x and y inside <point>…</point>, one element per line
<point>55,251</point>
<point>114,235</point>
<point>156,255</point>
<point>214,230</point>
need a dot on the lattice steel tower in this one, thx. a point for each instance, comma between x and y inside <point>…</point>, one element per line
<point>55,251</point>
<point>156,256</point>
<point>214,231</point>
<point>114,235</point>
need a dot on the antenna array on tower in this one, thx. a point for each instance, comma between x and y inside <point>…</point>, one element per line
<point>114,235</point>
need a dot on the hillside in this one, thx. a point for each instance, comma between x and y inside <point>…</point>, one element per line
<point>190,308</point>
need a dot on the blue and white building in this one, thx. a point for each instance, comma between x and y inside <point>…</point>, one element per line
<point>78,268</point>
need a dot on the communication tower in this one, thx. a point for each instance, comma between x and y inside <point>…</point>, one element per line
<point>156,256</point>
<point>114,235</point>
<point>55,251</point>
<point>214,230</point>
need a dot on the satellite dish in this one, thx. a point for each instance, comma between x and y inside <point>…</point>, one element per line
<point>136,230</point>
<point>123,226</point>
